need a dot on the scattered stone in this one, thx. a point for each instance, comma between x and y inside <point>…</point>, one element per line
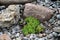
<point>1,33</point>
<point>59,34</point>
<point>25,38</point>
<point>40,12</point>
<point>28,35</point>
<point>4,37</point>
<point>17,35</point>
<point>48,31</point>
<point>36,38</point>
<point>51,39</point>
<point>32,36</point>
<point>16,29</point>
<point>18,38</point>
<point>56,29</point>
<point>2,7</point>
<point>44,34</point>
<point>52,21</point>
<point>55,34</point>
<point>42,39</point>
<point>49,36</point>
<point>40,35</point>
<point>58,16</point>
<point>13,39</point>
<point>58,22</point>
<point>9,16</point>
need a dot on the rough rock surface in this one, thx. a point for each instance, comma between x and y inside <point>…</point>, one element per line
<point>4,37</point>
<point>9,16</point>
<point>14,1</point>
<point>38,11</point>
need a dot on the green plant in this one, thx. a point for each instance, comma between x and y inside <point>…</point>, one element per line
<point>31,26</point>
<point>39,29</point>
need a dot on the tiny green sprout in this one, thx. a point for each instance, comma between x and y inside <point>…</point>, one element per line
<point>39,29</point>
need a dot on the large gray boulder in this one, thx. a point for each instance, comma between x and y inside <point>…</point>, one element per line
<point>14,1</point>
<point>9,16</point>
<point>40,12</point>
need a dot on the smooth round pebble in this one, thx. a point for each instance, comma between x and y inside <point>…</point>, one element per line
<point>58,16</point>
<point>32,36</point>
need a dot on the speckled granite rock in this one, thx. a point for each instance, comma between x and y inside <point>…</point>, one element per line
<point>40,12</point>
<point>9,16</point>
<point>14,1</point>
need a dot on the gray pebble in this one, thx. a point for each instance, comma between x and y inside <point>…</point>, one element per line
<point>1,33</point>
<point>25,38</point>
<point>55,34</point>
<point>49,36</point>
<point>17,35</point>
<point>56,29</point>
<point>32,36</point>
<point>36,38</point>
<point>58,16</point>
<point>42,39</point>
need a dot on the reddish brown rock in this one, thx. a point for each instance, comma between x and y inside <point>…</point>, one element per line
<point>4,37</point>
<point>40,12</point>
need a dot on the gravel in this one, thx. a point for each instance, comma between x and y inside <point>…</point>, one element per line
<point>15,32</point>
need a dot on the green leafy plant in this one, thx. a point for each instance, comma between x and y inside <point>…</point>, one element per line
<point>39,29</point>
<point>31,26</point>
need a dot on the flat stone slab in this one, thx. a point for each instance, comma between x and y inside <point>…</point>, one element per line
<point>40,12</point>
<point>14,1</point>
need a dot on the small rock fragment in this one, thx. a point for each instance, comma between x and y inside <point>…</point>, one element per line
<point>32,36</point>
<point>56,29</point>
<point>49,36</point>
<point>58,16</point>
<point>55,34</point>
<point>40,35</point>
<point>4,37</point>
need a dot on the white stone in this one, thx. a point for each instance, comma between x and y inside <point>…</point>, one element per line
<point>56,29</point>
<point>17,35</point>
<point>9,16</point>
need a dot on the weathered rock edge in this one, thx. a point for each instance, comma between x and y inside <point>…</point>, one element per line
<point>15,1</point>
